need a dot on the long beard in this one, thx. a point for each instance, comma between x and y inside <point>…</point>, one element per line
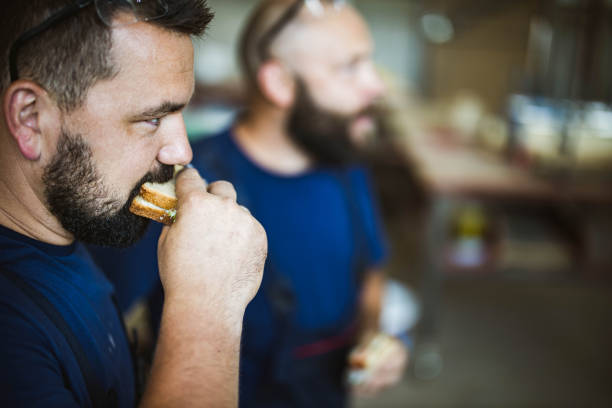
<point>323,135</point>
<point>76,196</point>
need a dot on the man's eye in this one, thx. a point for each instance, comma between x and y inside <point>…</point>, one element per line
<point>349,68</point>
<point>154,122</point>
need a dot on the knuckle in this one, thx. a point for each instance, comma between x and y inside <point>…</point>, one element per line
<point>225,184</point>
<point>260,230</point>
<point>222,187</point>
<point>227,200</point>
<point>192,199</point>
<point>260,233</point>
<point>188,174</point>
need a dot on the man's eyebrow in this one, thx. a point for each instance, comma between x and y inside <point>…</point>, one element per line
<point>163,109</point>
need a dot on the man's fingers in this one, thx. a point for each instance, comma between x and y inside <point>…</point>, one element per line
<point>187,181</point>
<point>387,372</point>
<point>223,189</point>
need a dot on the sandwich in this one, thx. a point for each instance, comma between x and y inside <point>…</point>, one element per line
<point>368,358</point>
<point>157,201</point>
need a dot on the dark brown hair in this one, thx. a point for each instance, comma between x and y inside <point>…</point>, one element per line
<point>70,57</point>
<point>263,17</point>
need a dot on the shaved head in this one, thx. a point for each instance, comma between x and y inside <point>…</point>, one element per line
<point>314,39</point>
<point>308,39</point>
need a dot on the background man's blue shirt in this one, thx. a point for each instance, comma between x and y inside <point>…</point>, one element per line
<point>312,245</point>
<point>38,367</point>
<point>307,220</point>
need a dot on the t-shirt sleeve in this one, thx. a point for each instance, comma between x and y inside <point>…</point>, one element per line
<point>30,375</point>
<point>376,240</point>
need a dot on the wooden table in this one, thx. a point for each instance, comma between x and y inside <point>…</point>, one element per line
<point>449,172</point>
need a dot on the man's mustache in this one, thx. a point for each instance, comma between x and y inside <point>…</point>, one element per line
<point>372,111</point>
<point>165,173</point>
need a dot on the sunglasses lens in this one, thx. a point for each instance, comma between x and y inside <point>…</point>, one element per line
<point>317,7</point>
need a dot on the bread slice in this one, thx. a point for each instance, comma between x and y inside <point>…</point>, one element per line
<point>143,208</point>
<point>161,194</point>
<point>157,201</point>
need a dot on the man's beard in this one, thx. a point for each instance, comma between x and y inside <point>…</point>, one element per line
<point>322,134</point>
<point>76,196</point>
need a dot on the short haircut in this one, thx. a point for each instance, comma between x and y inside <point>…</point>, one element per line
<point>263,17</point>
<point>71,56</point>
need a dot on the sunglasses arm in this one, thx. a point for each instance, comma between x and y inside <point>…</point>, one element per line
<point>23,38</point>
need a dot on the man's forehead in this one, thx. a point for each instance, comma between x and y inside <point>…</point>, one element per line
<point>143,41</point>
<point>151,56</point>
<point>334,34</point>
<point>153,66</point>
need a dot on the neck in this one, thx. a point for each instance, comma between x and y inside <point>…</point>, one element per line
<point>22,208</point>
<point>263,136</point>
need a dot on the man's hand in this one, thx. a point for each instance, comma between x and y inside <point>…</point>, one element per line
<point>215,250</point>
<point>378,362</point>
<point>211,263</point>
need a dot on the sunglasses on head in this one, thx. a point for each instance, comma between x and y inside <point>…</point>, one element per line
<point>316,7</point>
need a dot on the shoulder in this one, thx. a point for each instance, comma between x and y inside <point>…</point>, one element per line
<point>22,340</point>
<point>203,144</point>
<point>31,373</point>
<point>17,317</point>
<point>25,349</point>
<point>360,177</point>
<point>21,321</point>
<point>37,364</point>
<point>217,157</point>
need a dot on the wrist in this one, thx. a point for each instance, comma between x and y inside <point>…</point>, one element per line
<point>197,310</point>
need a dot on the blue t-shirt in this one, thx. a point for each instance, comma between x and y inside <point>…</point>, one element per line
<point>38,367</point>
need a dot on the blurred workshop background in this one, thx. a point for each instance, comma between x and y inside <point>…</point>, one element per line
<point>494,168</point>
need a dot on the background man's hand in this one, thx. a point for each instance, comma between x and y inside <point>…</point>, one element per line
<point>215,251</point>
<point>378,362</point>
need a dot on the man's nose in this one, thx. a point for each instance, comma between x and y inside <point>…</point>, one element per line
<point>176,148</point>
<point>373,85</point>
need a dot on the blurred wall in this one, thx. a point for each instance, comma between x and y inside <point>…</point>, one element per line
<point>486,53</point>
<point>551,48</point>
<point>216,52</point>
<point>399,45</point>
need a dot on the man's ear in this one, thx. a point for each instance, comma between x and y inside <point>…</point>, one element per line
<point>23,102</point>
<point>276,83</point>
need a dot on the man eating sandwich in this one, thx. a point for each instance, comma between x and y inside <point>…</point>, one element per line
<point>92,99</point>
